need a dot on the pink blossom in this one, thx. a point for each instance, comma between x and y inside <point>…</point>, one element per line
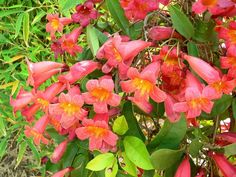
<point>100,94</point>
<point>63,172</point>
<point>229,61</point>
<point>144,86</point>
<point>56,24</point>
<point>100,137</point>
<point>196,101</point>
<point>78,71</point>
<point>41,71</point>
<point>171,114</point>
<point>69,108</point>
<point>184,169</point>
<point>158,33</point>
<point>120,54</point>
<point>226,138</point>
<point>59,151</point>
<point>227,169</point>
<point>84,13</point>
<point>69,42</point>
<point>37,130</point>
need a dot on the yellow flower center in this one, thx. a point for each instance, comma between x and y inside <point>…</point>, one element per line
<point>97,132</point>
<point>117,54</point>
<point>100,94</point>
<point>144,86</point>
<point>232,36</point>
<point>44,103</point>
<point>232,61</point>
<point>218,86</point>
<point>209,2</point>
<point>68,43</point>
<point>55,24</point>
<point>171,61</point>
<point>197,102</point>
<point>69,108</point>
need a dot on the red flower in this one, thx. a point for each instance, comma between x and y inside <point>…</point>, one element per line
<point>120,54</point>
<point>69,42</point>
<point>100,94</point>
<point>56,24</point>
<point>100,137</point>
<point>63,172</point>
<point>184,169</point>
<point>228,33</point>
<point>158,33</point>
<point>229,62</point>
<point>144,86</point>
<point>37,130</point>
<point>227,169</point>
<point>84,13</point>
<point>171,114</point>
<point>226,138</point>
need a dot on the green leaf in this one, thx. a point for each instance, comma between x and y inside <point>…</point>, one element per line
<point>26,28</point>
<point>161,158</point>
<point>112,169</point>
<point>92,39</point>
<point>118,15</point>
<point>4,13</point>
<point>192,49</point>
<point>170,135</point>
<point>38,17</point>
<point>134,129</point>
<point>230,149</point>
<point>100,162</point>
<point>137,153</point>
<point>126,164</point>
<point>120,125</point>
<point>22,149</point>
<point>195,147</point>
<point>221,105</point>
<point>18,24</point>
<point>3,147</point>
<point>68,4</point>
<point>69,155</point>
<point>181,22</point>
<point>101,37</point>
<point>34,149</point>
<point>234,108</point>
<point>2,128</point>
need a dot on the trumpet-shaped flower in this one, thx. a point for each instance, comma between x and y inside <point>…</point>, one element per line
<point>84,13</point>
<point>69,42</point>
<point>195,102</point>
<point>59,151</point>
<point>37,130</point>
<point>100,136</point>
<point>171,114</point>
<point>138,9</point>
<point>227,169</point>
<point>56,24</point>
<point>41,71</point>
<point>229,62</point>
<point>100,94</point>
<point>69,109</point>
<point>78,71</point>
<point>202,5</point>
<point>228,33</point>
<point>158,33</point>
<point>144,85</point>
<point>23,98</point>
<point>63,172</point>
<point>226,138</point>
<point>120,54</point>
<point>184,169</point>
<point>42,100</point>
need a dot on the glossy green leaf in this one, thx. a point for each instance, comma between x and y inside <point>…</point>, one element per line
<point>192,49</point>
<point>221,105</point>
<point>26,27</point>
<point>69,155</point>
<point>230,149</point>
<point>134,129</point>
<point>112,169</point>
<point>165,158</point>
<point>170,135</point>
<point>21,152</point>
<point>38,17</point>
<point>234,108</point>
<point>92,39</point>
<point>100,162</point>
<point>137,153</point>
<point>181,22</point>
<point>4,13</point>
<point>120,125</point>
<point>118,14</point>
<point>195,147</point>
<point>126,164</point>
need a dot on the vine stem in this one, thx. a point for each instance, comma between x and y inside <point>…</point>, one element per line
<point>216,124</point>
